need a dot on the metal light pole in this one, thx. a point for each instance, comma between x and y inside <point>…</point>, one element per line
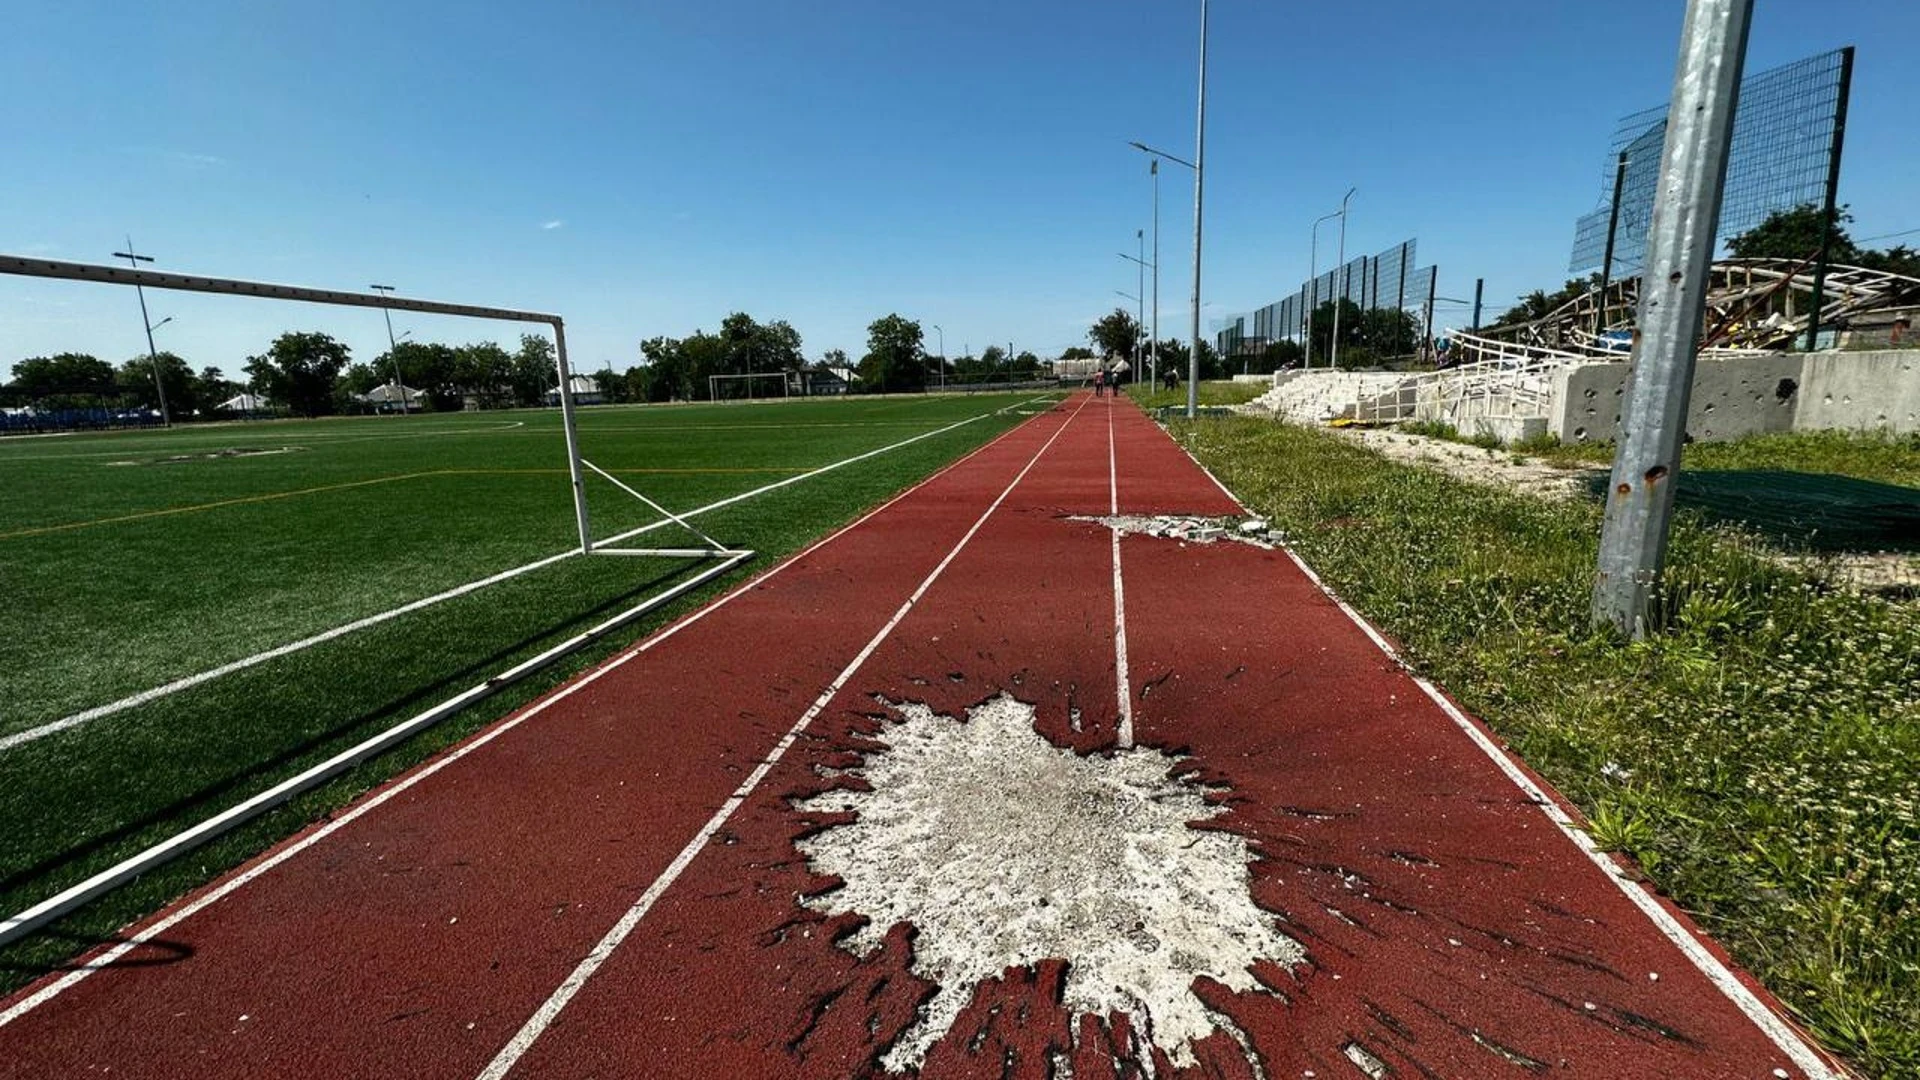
<point>1313,278</point>
<point>1333,360</point>
<point>1140,301</point>
<point>1153,353</point>
<point>1193,359</point>
<point>393,350</point>
<point>153,358</point>
<point>1680,244</point>
<point>1199,194</point>
<point>943,354</point>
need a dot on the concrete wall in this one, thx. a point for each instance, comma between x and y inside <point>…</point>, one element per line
<point>1862,390</point>
<point>1755,395</point>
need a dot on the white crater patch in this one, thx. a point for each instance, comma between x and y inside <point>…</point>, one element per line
<point>1004,850</point>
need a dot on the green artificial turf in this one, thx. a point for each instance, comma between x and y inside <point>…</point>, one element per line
<point>121,577</point>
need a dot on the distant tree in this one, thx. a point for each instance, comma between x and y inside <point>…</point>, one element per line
<point>1117,334</point>
<point>1278,356</point>
<point>135,383</point>
<point>834,358</point>
<point>1389,331</point>
<point>1539,304</point>
<point>1795,235</point>
<point>359,380</point>
<point>213,388</point>
<point>429,367</point>
<point>534,370</point>
<point>299,372</point>
<point>1026,361</point>
<point>1077,352</point>
<point>484,371</point>
<point>64,381</point>
<point>991,364</point>
<point>893,355</point>
<point>612,386</point>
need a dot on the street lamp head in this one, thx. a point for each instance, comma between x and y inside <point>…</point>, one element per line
<point>161,323</point>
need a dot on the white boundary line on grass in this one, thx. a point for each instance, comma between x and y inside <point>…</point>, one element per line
<point>1791,1042</point>
<point>544,1016</point>
<point>371,802</point>
<point>1121,681</point>
<point>85,716</point>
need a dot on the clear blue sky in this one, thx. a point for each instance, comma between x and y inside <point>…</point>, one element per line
<point>645,168</point>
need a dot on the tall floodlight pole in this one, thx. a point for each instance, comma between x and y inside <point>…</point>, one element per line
<point>1193,360</point>
<point>1153,351</point>
<point>943,353</point>
<point>1333,360</point>
<point>153,357</point>
<point>393,350</point>
<point>1199,196</point>
<point>1680,245</point>
<point>1313,276</point>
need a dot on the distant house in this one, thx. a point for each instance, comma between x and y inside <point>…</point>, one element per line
<point>828,381</point>
<point>246,403</point>
<point>585,391</point>
<point>390,397</point>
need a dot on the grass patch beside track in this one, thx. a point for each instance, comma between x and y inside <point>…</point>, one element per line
<point>1761,760</point>
<point>1217,392</point>
<point>118,608</point>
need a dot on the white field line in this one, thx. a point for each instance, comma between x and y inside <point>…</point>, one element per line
<point>326,438</point>
<point>346,817</point>
<point>20,925</point>
<point>1790,1041</point>
<point>544,1016</point>
<point>1122,682</point>
<point>53,727</point>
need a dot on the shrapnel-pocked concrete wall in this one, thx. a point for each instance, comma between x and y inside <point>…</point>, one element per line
<point>1737,397</point>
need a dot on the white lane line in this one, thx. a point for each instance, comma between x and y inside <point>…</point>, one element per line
<point>1790,1041</point>
<point>544,1016</point>
<point>232,884</point>
<point>1122,683</point>
<point>54,727</point>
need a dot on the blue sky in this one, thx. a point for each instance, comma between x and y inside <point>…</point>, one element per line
<point>646,168</point>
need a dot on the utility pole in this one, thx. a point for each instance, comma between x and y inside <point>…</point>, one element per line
<point>1673,285</point>
<point>1479,290</point>
<point>153,358</point>
<point>943,353</point>
<point>393,350</point>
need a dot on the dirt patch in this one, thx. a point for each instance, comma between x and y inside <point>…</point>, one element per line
<point>1494,468</point>
<point>221,454</point>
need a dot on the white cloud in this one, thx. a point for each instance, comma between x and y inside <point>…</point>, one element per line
<point>552,225</point>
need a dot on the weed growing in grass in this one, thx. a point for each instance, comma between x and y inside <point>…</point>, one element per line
<point>1760,759</point>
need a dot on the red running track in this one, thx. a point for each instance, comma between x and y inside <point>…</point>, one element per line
<point>607,884</point>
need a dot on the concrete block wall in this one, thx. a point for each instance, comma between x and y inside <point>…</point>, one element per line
<point>1735,398</point>
<point>1861,391</point>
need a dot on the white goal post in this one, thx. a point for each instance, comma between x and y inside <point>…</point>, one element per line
<point>714,382</point>
<point>155,279</point>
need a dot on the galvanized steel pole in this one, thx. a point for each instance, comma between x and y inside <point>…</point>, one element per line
<point>1680,246</point>
<point>1199,194</point>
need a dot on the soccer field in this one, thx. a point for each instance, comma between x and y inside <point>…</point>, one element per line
<point>131,561</point>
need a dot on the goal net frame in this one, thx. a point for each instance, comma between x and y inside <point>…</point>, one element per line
<point>577,466</point>
<point>714,382</point>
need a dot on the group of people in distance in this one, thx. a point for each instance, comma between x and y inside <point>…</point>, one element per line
<point>1112,376</point>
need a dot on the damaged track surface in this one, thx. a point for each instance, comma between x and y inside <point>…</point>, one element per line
<point>1450,927</point>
